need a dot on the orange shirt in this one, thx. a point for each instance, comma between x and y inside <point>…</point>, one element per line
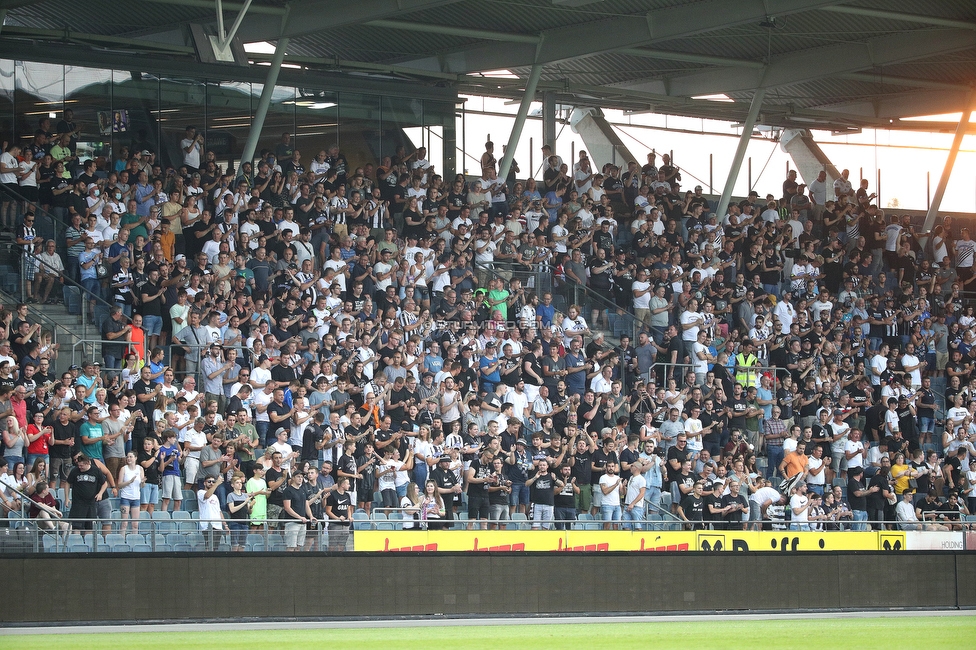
<point>137,338</point>
<point>795,463</point>
<point>168,241</point>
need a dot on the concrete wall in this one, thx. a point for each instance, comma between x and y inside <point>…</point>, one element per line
<point>144,587</point>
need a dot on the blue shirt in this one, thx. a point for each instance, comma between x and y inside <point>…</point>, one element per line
<point>546,314</point>
<point>433,363</point>
<point>91,273</point>
<point>575,382</point>
<point>492,377</point>
<point>142,207</point>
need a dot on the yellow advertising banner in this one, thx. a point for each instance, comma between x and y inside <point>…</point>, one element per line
<point>605,541</point>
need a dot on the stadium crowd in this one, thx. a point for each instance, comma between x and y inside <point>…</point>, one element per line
<point>293,341</point>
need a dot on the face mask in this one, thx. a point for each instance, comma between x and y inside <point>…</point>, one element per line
<point>97,192</point>
<point>118,196</point>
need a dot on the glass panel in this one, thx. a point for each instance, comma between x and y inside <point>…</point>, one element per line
<point>7,86</point>
<point>280,119</point>
<point>136,98</point>
<point>360,135</point>
<point>439,120</point>
<point>38,98</point>
<point>403,121</point>
<point>317,120</point>
<point>87,107</point>
<point>183,104</point>
<point>228,121</point>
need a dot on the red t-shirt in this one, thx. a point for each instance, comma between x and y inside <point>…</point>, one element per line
<point>39,446</point>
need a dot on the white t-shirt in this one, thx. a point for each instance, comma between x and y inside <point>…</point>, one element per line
<point>892,233</point>
<point>838,447</point>
<point>688,317</point>
<point>798,501</point>
<point>644,301</point>
<point>858,459</point>
<point>815,463</point>
<point>9,178</point>
<point>911,360</point>
<point>191,159</point>
<point>878,365</point>
<point>693,426</point>
<point>701,365</point>
<point>606,481</point>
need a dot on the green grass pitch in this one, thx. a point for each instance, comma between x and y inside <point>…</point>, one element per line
<point>902,632</point>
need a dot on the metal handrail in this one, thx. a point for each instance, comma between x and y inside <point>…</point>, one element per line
<point>63,534</point>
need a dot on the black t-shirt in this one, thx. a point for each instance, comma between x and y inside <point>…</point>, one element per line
<point>279,410</point>
<point>739,407</point>
<point>85,485</point>
<point>694,508</point>
<point>276,497</point>
<point>857,502</point>
<point>313,435</point>
<point>341,505</point>
<point>680,455</point>
<point>445,479</point>
<point>298,500</point>
<point>479,490</point>
<point>152,472</point>
<point>876,500</point>
<point>712,501</point>
<point>600,459</point>
<point>63,432</point>
<point>582,470</point>
<point>152,307</point>
<point>565,497</point>
<point>736,515</point>
<point>145,388</point>
<point>541,490</point>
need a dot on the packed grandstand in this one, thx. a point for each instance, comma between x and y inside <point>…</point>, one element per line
<point>305,343</point>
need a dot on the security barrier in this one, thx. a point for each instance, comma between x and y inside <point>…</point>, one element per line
<point>600,541</point>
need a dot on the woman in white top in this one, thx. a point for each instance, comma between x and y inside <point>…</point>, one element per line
<point>410,505</point>
<point>422,451</point>
<point>129,483</point>
<point>27,176</point>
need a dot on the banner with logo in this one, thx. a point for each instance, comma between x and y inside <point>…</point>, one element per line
<point>651,541</point>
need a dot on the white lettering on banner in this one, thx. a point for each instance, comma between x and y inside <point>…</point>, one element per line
<point>934,541</point>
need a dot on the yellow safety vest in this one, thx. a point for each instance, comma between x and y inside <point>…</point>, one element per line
<point>746,377</point>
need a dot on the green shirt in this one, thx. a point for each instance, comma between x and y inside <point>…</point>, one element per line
<point>128,219</point>
<point>252,435</point>
<point>259,511</point>
<point>495,295</point>
<point>93,450</point>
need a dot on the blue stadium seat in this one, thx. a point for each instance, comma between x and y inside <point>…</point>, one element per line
<point>142,548</point>
<point>122,548</point>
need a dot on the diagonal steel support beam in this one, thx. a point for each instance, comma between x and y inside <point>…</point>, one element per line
<point>523,112</point>
<point>933,211</point>
<point>740,152</point>
<point>264,102</point>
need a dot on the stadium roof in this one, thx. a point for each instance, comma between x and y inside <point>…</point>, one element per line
<point>823,63</point>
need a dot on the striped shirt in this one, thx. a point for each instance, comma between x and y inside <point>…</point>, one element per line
<point>965,248</point>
